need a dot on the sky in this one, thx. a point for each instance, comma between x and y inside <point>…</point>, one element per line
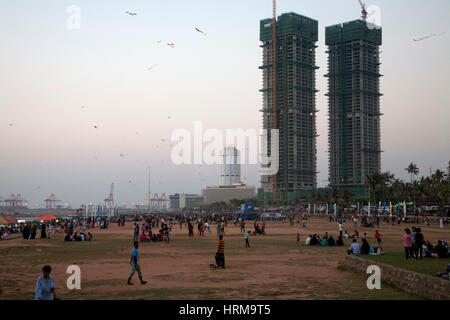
<point>57,84</point>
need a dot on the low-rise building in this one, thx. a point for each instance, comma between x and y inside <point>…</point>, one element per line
<point>227,193</point>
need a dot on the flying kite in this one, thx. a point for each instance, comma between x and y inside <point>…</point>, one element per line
<point>151,67</point>
<point>172,45</point>
<point>429,36</point>
<point>200,31</point>
<point>131,13</point>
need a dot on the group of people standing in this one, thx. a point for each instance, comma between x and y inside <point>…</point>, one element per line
<point>29,231</point>
<point>416,247</point>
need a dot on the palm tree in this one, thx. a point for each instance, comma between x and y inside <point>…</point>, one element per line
<point>347,197</point>
<point>413,170</point>
<point>378,181</point>
<point>444,194</point>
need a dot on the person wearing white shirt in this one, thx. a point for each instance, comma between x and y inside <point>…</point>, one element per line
<point>308,240</point>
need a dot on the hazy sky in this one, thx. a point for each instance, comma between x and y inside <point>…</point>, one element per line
<point>56,84</point>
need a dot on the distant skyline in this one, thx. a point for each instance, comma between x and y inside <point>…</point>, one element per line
<point>79,109</point>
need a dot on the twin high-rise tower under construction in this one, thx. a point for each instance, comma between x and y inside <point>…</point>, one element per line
<point>295,116</point>
<point>353,104</point>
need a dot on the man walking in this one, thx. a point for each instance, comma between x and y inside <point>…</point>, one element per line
<point>135,264</point>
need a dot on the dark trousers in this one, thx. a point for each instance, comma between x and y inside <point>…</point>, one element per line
<point>247,244</point>
<point>220,259</point>
<point>409,251</point>
<point>418,249</point>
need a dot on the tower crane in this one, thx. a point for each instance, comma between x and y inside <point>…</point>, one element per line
<point>363,10</point>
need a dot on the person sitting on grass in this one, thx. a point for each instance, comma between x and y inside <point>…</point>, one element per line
<point>5,235</point>
<point>331,242</point>
<point>314,241</point>
<point>323,243</point>
<point>340,241</point>
<point>355,235</point>
<point>308,240</point>
<point>365,248</point>
<point>346,234</point>
<point>428,250</point>
<point>355,248</point>
<point>445,275</point>
<point>441,250</point>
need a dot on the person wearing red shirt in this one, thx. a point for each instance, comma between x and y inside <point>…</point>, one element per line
<point>378,237</point>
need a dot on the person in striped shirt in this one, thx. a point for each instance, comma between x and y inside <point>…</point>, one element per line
<point>220,254</point>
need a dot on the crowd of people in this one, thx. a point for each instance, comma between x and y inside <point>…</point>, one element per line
<point>6,232</point>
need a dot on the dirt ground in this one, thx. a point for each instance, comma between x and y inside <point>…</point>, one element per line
<point>275,267</point>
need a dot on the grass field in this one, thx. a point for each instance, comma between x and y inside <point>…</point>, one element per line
<point>275,267</point>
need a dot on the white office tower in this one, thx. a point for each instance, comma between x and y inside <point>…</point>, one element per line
<point>230,170</point>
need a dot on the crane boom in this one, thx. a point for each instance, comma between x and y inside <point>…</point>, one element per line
<point>363,10</point>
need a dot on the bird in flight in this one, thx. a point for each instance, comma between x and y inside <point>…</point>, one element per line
<point>11,124</point>
<point>200,31</point>
<point>171,45</point>
<point>151,67</point>
<point>131,13</point>
<point>429,36</point>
